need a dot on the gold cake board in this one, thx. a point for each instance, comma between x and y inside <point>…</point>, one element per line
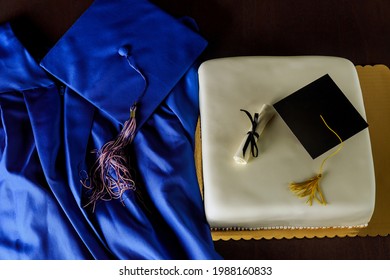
<point>375,85</point>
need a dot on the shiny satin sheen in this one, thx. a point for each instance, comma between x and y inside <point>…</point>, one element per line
<point>56,111</point>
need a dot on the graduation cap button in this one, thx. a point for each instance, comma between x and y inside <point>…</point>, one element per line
<point>124,51</point>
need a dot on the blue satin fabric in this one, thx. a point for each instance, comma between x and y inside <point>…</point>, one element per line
<point>55,112</point>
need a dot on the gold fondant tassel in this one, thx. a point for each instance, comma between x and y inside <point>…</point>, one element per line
<point>311,187</point>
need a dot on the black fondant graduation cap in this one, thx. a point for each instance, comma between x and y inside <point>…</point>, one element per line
<point>301,111</point>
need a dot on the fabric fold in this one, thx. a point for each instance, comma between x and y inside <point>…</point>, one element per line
<point>19,71</point>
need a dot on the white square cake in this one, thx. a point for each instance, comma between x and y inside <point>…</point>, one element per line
<point>257,195</point>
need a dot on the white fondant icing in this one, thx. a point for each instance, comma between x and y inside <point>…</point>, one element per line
<point>256,195</point>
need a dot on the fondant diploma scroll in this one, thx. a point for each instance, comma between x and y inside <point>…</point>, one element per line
<point>248,146</point>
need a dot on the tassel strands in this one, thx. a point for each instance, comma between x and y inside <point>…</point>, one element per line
<point>311,187</point>
<point>111,175</point>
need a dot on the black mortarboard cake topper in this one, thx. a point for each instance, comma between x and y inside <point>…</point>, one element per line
<point>321,117</point>
<point>301,110</point>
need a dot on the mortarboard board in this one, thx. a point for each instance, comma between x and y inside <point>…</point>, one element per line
<point>321,117</point>
<point>301,111</point>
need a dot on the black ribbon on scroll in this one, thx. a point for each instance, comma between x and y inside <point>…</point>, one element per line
<point>252,134</point>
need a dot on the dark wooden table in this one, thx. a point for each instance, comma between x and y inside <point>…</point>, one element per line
<point>358,30</point>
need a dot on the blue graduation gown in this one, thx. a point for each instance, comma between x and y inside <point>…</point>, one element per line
<point>56,111</point>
